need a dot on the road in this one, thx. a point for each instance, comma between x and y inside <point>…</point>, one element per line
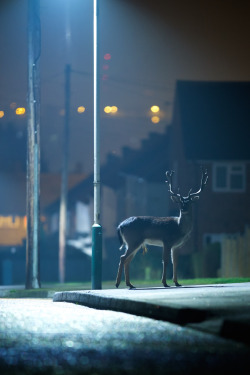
<point>40,336</point>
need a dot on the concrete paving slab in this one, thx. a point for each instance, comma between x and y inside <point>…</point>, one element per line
<point>38,336</point>
<point>213,308</point>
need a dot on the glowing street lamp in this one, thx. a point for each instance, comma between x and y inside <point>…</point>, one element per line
<point>155,119</point>
<point>20,111</point>
<point>81,109</point>
<point>155,109</point>
<point>107,109</point>
<point>111,110</point>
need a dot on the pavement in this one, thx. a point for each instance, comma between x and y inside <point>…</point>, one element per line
<point>38,336</point>
<point>222,309</point>
<point>191,329</point>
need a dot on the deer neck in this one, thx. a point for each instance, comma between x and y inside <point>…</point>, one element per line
<point>186,221</point>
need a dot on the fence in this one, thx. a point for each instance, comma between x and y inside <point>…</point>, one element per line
<point>235,255</point>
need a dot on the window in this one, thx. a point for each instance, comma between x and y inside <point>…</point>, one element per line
<point>229,177</point>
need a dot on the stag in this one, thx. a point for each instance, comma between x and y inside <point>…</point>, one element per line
<point>167,232</point>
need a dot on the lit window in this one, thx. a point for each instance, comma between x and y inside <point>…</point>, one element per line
<point>1,114</point>
<point>20,111</point>
<point>229,177</point>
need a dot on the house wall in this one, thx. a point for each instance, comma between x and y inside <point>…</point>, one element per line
<point>224,212</point>
<point>215,212</point>
<point>109,211</point>
<point>142,198</point>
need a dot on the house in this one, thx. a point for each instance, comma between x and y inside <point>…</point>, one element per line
<point>211,127</point>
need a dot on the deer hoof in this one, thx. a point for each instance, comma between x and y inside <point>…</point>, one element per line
<point>131,286</point>
<point>117,285</point>
<point>166,285</point>
<point>177,284</point>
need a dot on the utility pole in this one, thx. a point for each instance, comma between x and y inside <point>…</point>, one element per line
<point>33,152</point>
<point>96,228</point>
<point>64,182</point>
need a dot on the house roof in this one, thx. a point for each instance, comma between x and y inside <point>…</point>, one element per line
<point>150,162</point>
<point>215,119</point>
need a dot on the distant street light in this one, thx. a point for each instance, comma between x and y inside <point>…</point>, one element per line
<point>81,109</point>
<point>20,111</point>
<point>111,110</point>
<point>155,119</point>
<point>155,108</point>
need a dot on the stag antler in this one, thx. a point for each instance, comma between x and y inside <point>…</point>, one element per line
<point>204,178</point>
<point>169,175</point>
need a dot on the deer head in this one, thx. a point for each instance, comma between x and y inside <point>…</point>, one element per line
<point>184,202</point>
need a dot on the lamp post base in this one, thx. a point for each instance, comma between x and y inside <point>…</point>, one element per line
<point>96,268</point>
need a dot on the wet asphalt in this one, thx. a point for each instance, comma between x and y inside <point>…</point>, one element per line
<point>39,336</point>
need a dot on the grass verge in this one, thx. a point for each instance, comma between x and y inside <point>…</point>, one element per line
<point>48,290</point>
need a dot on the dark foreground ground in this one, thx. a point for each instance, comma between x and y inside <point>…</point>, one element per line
<point>39,336</point>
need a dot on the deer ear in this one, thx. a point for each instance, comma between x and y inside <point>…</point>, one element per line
<point>175,199</point>
<point>195,198</point>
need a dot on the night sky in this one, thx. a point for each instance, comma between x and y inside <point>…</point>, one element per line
<point>152,44</point>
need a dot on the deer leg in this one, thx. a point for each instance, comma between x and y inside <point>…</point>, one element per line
<point>119,273</point>
<point>125,260</point>
<point>126,268</point>
<point>165,254</point>
<point>174,256</point>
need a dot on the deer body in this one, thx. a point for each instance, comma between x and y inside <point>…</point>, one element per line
<point>167,232</point>
<point>154,230</point>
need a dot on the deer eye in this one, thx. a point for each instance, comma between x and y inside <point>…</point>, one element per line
<point>195,198</point>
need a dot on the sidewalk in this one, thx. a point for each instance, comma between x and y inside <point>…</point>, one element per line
<point>222,309</point>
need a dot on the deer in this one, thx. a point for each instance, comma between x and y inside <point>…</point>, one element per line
<point>170,233</point>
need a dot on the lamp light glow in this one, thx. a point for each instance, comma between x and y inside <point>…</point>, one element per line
<point>155,119</point>
<point>81,109</point>
<point>20,111</point>
<point>107,56</point>
<point>112,110</point>
<point>107,109</point>
<point>155,108</point>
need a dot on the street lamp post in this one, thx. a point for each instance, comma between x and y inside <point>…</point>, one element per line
<point>96,228</point>
<point>33,153</point>
<point>64,181</point>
